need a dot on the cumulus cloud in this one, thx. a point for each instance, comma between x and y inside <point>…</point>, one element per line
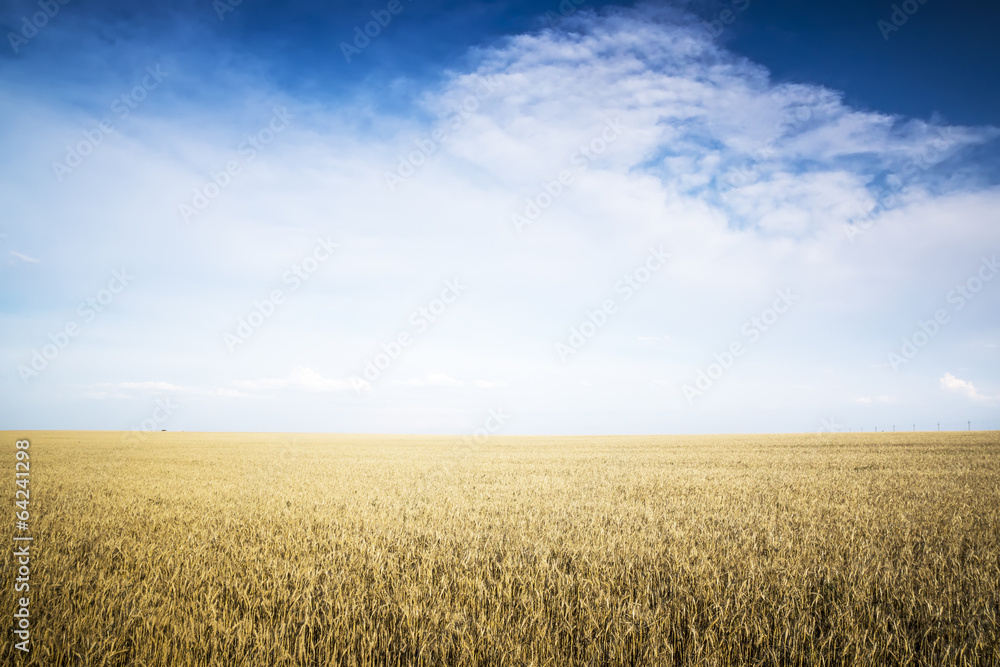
<point>781,159</point>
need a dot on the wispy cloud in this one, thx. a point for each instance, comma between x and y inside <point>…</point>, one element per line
<point>868,400</point>
<point>25,258</point>
<point>153,387</point>
<point>490,384</point>
<point>429,380</point>
<point>105,395</point>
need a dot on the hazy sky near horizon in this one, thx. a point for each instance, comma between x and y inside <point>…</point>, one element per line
<point>432,217</point>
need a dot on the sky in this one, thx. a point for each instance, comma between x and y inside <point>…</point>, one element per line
<point>499,218</point>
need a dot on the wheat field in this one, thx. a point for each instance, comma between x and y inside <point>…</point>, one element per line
<point>270,549</point>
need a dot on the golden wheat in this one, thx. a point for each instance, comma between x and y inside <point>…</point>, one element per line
<point>269,550</point>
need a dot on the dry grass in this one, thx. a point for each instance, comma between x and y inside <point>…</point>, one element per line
<point>261,550</point>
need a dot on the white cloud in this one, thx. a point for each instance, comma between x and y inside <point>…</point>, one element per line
<point>104,395</point>
<point>227,393</point>
<point>25,258</point>
<point>156,388</point>
<point>490,384</point>
<point>152,386</point>
<point>868,400</point>
<point>954,384</point>
<point>429,380</point>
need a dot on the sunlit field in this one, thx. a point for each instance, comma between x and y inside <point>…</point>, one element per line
<point>271,549</point>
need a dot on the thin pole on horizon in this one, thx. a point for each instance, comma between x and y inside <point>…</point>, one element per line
<point>970,424</point>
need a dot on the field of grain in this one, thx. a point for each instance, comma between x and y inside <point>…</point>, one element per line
<point>269,549</point>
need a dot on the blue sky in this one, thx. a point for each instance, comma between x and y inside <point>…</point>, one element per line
<point>490,217</point>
